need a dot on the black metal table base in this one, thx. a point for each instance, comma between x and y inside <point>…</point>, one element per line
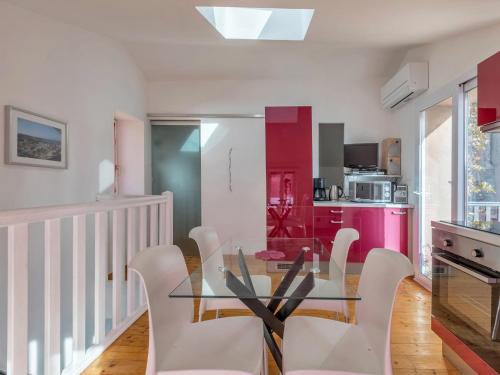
<point>273,320</point>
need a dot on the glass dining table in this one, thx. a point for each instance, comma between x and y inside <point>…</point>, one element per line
<point>271,277</point>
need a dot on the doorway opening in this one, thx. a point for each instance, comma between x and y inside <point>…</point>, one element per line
<point>176,167</point>
<point>128,155</point>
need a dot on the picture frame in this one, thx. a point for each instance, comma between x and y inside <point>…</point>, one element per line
<point>35,140</point>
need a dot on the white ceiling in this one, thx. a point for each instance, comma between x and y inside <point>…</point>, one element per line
<point>169,39</point>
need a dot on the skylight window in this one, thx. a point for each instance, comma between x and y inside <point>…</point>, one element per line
<point>259,23</point>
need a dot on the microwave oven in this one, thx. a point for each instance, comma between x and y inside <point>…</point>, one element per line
<point>371,191</point>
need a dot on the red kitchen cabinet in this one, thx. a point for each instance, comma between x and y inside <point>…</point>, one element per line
<point>488,90</point>
<point>289,172</point>
<point>381,228</point>
<point>327,227</point>
<point>377,227</point>
<point>396,229</point>
<point>369,222</point>
<point>351,220</point>
<point>329,220</point>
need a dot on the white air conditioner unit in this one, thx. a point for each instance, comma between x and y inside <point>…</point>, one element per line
<point>408,83</point>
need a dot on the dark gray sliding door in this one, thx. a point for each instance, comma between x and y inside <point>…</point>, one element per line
<point>176,166</point>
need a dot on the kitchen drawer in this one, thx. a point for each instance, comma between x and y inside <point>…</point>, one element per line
<point>326,227</point>
<point>328,221</point>
<point>331,211</point>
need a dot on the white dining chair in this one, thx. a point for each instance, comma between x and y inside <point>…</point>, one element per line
<point>338,260</point>
<point>212,263</point>
<point>325,346</point>
<point>177,345</point>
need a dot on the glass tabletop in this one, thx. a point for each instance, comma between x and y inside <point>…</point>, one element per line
<point>268,261</point>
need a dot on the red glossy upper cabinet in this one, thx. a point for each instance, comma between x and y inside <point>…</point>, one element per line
<point>289,156</point>
<point>488,90</point>
<point>289,171</point>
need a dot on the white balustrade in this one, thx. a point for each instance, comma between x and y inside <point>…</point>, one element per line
<point>118,264</point>
<point>17,296</point>
<point>52,296</point>
<point>101,275</point>
<point>153,225</point>
<point>79,279</point>
<point>132,229</point>
<point>143,241</point>
<point>131,251</point>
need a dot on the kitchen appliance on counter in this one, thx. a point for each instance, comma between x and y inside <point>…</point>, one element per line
<point>371,191</point>
<point>319,185</point>
<point>466,289</point>
<point>336,192</point>
<point>400,194</point>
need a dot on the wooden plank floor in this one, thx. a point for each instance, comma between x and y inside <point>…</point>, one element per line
<point>415,348</point>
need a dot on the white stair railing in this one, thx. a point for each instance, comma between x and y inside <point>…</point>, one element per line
<point>136,222</point>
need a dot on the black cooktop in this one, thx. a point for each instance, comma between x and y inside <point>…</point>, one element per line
<point>484,226</point>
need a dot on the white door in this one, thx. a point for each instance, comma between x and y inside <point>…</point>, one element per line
<point>233,177</point>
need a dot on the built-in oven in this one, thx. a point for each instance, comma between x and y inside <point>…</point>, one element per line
<point>466,294</point>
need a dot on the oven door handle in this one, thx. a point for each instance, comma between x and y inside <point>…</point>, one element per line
<point>477,275</point>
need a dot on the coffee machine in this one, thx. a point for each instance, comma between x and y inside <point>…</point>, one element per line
<point>319,185</point>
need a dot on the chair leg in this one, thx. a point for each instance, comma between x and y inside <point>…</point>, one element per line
<point>217,314</point>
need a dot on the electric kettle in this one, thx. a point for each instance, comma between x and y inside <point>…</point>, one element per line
<point>336,192</point>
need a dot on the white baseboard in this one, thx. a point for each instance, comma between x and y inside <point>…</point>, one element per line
<point>95,351</point>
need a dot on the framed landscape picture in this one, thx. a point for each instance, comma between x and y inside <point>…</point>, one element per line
<point>34,140</point>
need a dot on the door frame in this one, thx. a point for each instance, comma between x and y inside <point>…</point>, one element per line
<point>453,89</point>
<point>129,134</point>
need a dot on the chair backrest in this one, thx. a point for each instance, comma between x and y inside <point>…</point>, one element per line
<point>207,240</point>
<point>212,260</point>
<point>162,269</point>
<point>380,278</point>
<point>341,245</point>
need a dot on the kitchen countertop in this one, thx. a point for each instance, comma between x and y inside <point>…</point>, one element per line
<point>344,203</point>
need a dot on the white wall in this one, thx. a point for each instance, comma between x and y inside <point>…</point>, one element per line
<point>451,58</point>
<point>81,78</point>
<point>66,73</point>
<point>334,99</point>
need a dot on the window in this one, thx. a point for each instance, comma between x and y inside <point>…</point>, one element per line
<point>482,166</point>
